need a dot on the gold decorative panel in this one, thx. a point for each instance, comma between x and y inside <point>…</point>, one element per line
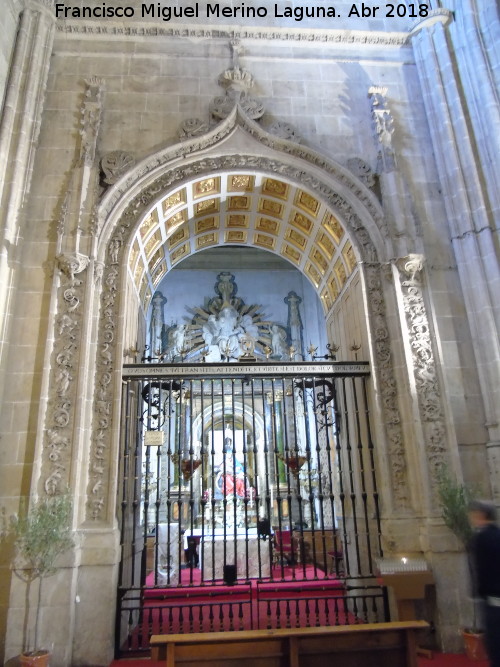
<point>156,258</point>
<point>139,270</point>
<point>334,227</point>
<point>144,287</point>
<point>178,236</point>
<point>159,273</point>
<point>133,255</point>
<point>291,253</point>
<point>275,188</point>
<point>206,206</point>
<point>340,272</point>
<point>319,260</point>
<point>264,241</point>
<point>235,236</point>
<point>240,183</point>
<point>296,238</point>
<point>177,199</point>
<point>238,203</point>
<point>206,224</point>
<point>208,186</point>
<point>270,207</point>
<point>349,257</point>
<point>152,243</point>
<point>326,299</point>
<point>148,223</point>
<point>333,287</point>
<point>204,241</point>
<point>176,219</point>
<point>307,203</point>
<point>326,244</point>
<point>268,225</point>
<point>237,220</point>
<point>313,274</point>
<point>299,220</point>
<point>179,253</point>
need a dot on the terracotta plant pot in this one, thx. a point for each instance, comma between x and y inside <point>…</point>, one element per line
<point>474,645</point>
<point>34,659</point>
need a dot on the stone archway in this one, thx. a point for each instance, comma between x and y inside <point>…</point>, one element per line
<point>354,207</point>
<point>90,315</point>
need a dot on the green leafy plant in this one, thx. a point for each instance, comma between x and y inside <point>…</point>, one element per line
<point>41,532</point>
<point>455,498</point>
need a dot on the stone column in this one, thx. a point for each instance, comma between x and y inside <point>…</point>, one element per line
<point>19,129</point>
<point>468,205</point>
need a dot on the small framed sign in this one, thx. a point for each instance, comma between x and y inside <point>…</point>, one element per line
<point>154,438</point>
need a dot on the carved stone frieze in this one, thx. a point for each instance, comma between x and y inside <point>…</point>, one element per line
<point>426,380</point>
<point>388,388</point>
<point>284,131</point>
<point>186,31</point>
<point>91,119</point>
<point>192,127</point>
<point>115,164</point>
<point>56,453</point>
<point>362,171</point>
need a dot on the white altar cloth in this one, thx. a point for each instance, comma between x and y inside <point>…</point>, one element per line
<point>168,554</point>
<point>212,556</point>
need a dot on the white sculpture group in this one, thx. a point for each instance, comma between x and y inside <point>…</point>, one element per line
<point>229,335</point>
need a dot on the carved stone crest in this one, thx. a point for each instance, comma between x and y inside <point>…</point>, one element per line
<point>115,164</point>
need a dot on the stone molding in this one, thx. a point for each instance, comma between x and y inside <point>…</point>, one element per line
<point>388,388</point>
<point>44,5</point>
<point>424,364</point>
<point>140,29</point>
<point>57,451</point>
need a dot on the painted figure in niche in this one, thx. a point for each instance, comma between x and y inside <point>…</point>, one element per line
<point>230,478</point>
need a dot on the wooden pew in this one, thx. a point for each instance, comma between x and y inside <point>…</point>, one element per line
<point>374,644</point>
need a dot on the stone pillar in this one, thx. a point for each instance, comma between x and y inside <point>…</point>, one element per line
<point>24,97</point>
<point>456,134</point>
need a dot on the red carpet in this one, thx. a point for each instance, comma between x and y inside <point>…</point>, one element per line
<point>439,660</point>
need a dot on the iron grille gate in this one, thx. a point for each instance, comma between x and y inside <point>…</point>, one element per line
<point>248,499</point>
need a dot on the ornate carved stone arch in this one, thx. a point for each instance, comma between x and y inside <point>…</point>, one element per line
<point>237,143</point>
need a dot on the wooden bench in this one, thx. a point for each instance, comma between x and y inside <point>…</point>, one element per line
<point>375,644</point>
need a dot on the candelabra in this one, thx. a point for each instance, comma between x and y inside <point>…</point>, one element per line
<point>331,348</point>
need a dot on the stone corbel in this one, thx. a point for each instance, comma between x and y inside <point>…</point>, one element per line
<point>72,263</point>
<point>411,266</point>
<point>440,15</point>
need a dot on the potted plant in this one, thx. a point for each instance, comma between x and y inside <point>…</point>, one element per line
<point>455,499</point>
<point>41,533</point>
